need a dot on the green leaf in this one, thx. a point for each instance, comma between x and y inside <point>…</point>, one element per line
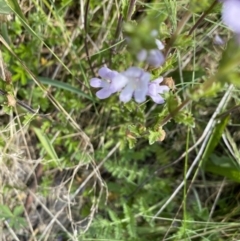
<point>46,144</point>
<point>17,222</point>
<point>18,210</point>
<point>185,117</point>
<point>124,8</point>
<point>5,212</point>
<point>133,130</point>
<point>4,8</point>
<point>214,139</point>
<point>64,86</point>
<point>199,6</point>
<point>131,226</point>
<point>13,4</point>
<point>156,136</point>
<point>223,166</point>
<point>230,60</point>
<point>172,103</point>
<point>131,141</point>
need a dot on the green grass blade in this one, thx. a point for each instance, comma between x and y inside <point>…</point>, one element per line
<point>214,139</point>
<point>64,86</point>
<point>16,8</point>
<point>47,145</point>
<point>229,172</point>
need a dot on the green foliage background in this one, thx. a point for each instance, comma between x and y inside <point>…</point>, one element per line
<point>106,164</point>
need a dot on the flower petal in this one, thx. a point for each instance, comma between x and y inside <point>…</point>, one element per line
<point>142,55</point>
<point>142,88</point>
<point>159,44</point>
<point>157,99</point>
<point>96,82</point>
<point>158,80</point>
<point>103,72</point>
<point>104,93</point>
<point>140,96</point>
<point>118,82</point>
<point>107,73</point>
<point>231,13</point>
<point>155,58</point>
<point>152,89</point>
<point>126,94</point>
<point>162,88</point>
<point>145,77</point>
<point>133,72</point>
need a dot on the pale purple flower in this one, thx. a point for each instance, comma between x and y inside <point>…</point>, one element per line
<point>111,82</point>
<point>154,57</point>
<point>155,90</point>
<point>231,14</point>
<point>137,85</point>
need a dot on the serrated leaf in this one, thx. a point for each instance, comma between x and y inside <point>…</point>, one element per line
<point>156,136</point>
<point>133,130</point>
<point>172,103</point>
<point>185,117</point>
<point>4,8</point>
<point>131,142</point>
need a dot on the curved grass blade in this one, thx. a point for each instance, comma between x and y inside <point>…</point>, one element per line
<point>214,140</point>
<point>64,86</point>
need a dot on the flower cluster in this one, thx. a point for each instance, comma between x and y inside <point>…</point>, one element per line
<point>134,82</point>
